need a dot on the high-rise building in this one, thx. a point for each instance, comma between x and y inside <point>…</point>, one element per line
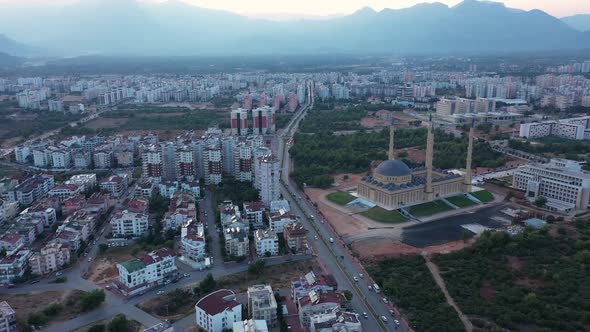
<point>151,163</point>
<point>239,122</point>
<point>169,161</point>
<point>263,121</point>
<point>243,162</point>
<point>228,145</point>
<point>268,177</point>
<point>213,165</point>
<point>185,166</point>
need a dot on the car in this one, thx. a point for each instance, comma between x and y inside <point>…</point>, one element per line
<point>57,274</point>
<point>396,322</point>
<point>370,288</point>
<point>365,315</point>
<point>383,318</point>
<point>315,237</point>
<point>34,281</point>
<point>361,275</point>
<point>160,292</point>
<point>89,259</point>
<point>355,278</point>
<point>391,312</point>
<point>385,300</point>
<point>186,275</point>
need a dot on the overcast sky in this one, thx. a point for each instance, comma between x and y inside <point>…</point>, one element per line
<point>268,8</point>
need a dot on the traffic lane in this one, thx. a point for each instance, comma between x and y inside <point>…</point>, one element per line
<point>330,263</point>
<point>375,300</point>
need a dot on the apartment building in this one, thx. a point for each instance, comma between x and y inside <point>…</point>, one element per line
<point>218,311</point>
<point>193,241</point>
<point>266,242</point>
<point>138,275</point>
<point>254,213</point>
<point>14,266</point>
<point>116,185</point>
<point>8,321</point>
<point>126,223</point>
<point>262,304</point>
<point>52,257</point>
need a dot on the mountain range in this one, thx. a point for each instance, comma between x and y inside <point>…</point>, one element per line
<point>128,27</point>
<point>579,22</point>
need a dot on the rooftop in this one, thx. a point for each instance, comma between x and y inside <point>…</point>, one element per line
<point>218,301</point>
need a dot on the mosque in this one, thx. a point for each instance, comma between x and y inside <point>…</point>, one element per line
<point>394,185</point>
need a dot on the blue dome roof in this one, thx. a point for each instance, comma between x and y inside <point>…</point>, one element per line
<point>393,168</point>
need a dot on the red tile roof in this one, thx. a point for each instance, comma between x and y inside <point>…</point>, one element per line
<point>218,301</point>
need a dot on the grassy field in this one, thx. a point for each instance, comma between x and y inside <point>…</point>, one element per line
<point>484,196</point>
<point>430,208</point>
<point>381,215</point>
<point>16,124</point>
<point>340,197</point>
<point>461,201</point>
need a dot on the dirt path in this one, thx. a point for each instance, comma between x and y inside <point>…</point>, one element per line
<point>441,284</point>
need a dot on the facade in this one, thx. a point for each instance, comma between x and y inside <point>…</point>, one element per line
<point>153,269</point>
<point>263,121</point>
<point>335,321</point>
<point>14,266</point>
<point>115,185</point>
<point>268,176</point>
<point>562,182</point>
<point>262,304</point>
<point>250,325</point>
<point>573,128</point>
<point>278,220</point>
<point>185,165</point>
<point>52,257</point>
<point>243,170</point>
<point>213,165</point>
<point>64,191</point>
<point>152,164</point>
<point>254,213</point>
<point>236,242</point>
<point>239,122</point>
<point>8,321</point>
<point>394,185</point>
<point>193,241</point>
<point>127,223</point>
<point>296,237</point>
<point>32,189</point>
<point>266,241</point>
<point>218,311</point>
<point>317,303</point>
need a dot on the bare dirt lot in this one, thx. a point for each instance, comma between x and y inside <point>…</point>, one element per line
<point>103,269</point>
<point>26,304</point>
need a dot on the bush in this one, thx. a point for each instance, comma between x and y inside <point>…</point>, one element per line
<point>97,328</point>
<point>118,324</point>
<point>53,309</point>
<point>37,319</point>
<point>92,299</point>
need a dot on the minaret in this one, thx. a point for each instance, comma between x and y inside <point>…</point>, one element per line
<point>391,147</point>
<point>467,180</point>
<point>429,158</point>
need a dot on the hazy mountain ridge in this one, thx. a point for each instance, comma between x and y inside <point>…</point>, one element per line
<point>177,28</point>
<point>578,22</point>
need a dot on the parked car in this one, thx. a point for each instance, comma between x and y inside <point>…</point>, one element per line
<point>385,300</point>
<point>160,292</point>
<point>396,322</point>
<point>391,312</point>
<point>365,315</point>
<point>383,318</point>
<point>355,278</point>
<point>361,275</point>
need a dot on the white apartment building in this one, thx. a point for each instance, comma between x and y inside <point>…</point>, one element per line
<point>243,162</point>
<point>116,185</point>
<point>266,241</point>
<point>103,159</point>
<point>126,223</point>
<point>254,213</point>
<point>138,275</point>
<point>574,128</point>
<point>250,325</point>
<point>278,220</point>
<point>50,258</point>
<point>236,242</point>
<point>61,159</point>
<point>193,241</point>
<point>218,311</point>
<point>86,181</point>
<point>8,321</point>
<point>562,182</point>
<point>22,153</point>
<point>262,304</point>
<point>268,177</point>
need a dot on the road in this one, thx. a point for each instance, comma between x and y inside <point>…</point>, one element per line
<point>334,256</point>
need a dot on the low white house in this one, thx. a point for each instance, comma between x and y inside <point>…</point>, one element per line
<point>150,270</point>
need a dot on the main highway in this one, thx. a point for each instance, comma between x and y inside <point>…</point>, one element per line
<point>333,255</point>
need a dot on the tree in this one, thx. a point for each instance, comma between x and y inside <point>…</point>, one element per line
<point>119,323</point>
<point>257,267</point>
<point>102,248</point>
<point>267,254</point>
<point>3,252</point>
<point>92,299</point>
<point>97,328</point>
<point>540,201</point>
<point>208,284</point>
<point>37,319</point>
<point>348,295</point>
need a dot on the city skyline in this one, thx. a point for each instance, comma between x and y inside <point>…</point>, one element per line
<point>309,9</point>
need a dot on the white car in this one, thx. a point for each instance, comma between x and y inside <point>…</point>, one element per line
<point>315,237</point>
<point>361,275</point>
<point>383,318</point>
<point>89,259</point>
<point>160,292</point>
<point>355,278</point>
<point>396,322</point>
<point>385,300</point>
